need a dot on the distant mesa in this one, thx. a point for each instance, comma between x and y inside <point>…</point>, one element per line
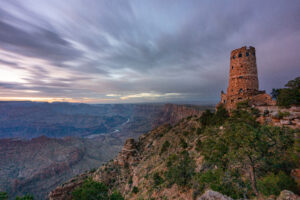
<point>243,81</point>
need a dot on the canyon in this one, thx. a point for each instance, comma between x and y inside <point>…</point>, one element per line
<point>45,144</point>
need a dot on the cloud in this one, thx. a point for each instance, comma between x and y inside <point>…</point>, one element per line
<point>129,50</point>
<point>148,95</point>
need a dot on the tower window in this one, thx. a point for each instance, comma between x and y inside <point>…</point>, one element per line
<point>241,90</point>
<point>241,65</point>
<point>231,67</point>
<point>240,55</point>
<point>247,54</point>
<point>233,57</point>
<point>253,54</point>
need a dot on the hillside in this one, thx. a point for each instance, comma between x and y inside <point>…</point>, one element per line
<point>181,161</point>
<point>38,165</point>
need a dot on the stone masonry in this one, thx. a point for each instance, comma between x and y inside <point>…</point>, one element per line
<point>243,80</point>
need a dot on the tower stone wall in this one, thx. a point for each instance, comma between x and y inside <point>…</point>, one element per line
<point>243,79</point>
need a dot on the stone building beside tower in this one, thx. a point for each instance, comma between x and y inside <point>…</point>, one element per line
<point>243,80</point>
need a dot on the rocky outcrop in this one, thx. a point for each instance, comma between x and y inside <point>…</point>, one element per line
<point>288,195</point>
<point>128,155</point>
<point>173,113</point>
<point>212,195</point>
<point>278,116</point>
<point>63,192</point>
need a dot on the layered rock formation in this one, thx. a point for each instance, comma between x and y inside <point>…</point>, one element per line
<point>173,113</point>
<point>40,164</point>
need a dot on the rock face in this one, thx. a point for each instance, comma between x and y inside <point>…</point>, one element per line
<point>212,195</point>
<point>173,113</point>
<point>128,154</point>
<point>62,192</point>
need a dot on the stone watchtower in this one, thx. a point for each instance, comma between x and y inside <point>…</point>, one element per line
<point>243,79</point>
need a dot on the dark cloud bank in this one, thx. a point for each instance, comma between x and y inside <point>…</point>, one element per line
<point>174,50</point>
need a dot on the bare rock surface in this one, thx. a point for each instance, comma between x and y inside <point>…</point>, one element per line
<point>213,195</point>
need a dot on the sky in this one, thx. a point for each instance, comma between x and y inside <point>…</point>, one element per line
<point>119,51</point>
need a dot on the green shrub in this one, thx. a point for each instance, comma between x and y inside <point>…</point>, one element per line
<point>227,183</point>
<point>116,196</point>
<point>242,104</point>
<point>3,196</point>
<point>157,179</point>
<point>193,129</point>
<point>183,143</point>
<point>165,146</point>
<point>135,190</point>
<point>198,145</point>
<point>91,190</point>
<point>130,180</point>
<point>199,131</point>
<point>274,184</point>
<point>25,197</point>
<point>180,170</point>
<point>220,116</point>
<point>247,146</point>
<point>185,133</point>
<point>172,159</point>
<point>93,170</point>
<point>283,114</point>
<point>290,95</point>
<point>206,118</point>
<point>189,117</point>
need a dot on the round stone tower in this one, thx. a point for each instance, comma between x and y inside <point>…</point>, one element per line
<point>243,80</point>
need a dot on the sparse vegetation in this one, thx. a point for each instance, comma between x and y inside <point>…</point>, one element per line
<point>181,169</point>
<point>183,143</point>
<point>130,180</point>
<point>290,95</point>
<point>274,183</point>
<point>198,145</point>
<point>94,190</point>
<point>135,190</point>
<point>116,196</point>
<point>25,197</point>
<point>218,118</point>
<point>245,145</point>
<point>157,179</point>
<point>199,131</point>
<point>3,196</point>
<point>165,146</point>
<point>283,114</point>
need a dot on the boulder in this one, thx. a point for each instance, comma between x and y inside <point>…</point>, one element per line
<point>287,195</point>
<point>212,195</point>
